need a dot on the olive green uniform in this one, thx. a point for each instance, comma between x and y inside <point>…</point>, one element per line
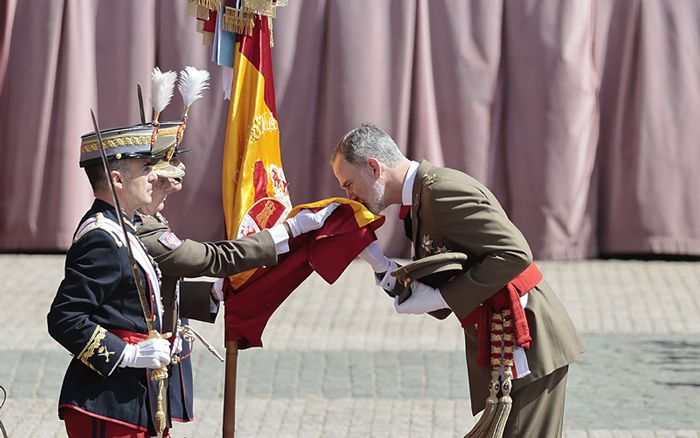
<point>453,212</point>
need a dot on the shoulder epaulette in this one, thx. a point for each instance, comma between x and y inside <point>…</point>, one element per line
<point>94,223</point>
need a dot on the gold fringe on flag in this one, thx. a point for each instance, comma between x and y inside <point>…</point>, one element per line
<point>191,9</point>
<point>238,21</point>
<point>197,11</point>
<point>207,38</point>
<point>267,8</point>
<point>200,8</point>
<point>202,13</point>
<point>213,5</point>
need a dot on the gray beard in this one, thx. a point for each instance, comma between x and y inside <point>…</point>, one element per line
<point>375,201</point>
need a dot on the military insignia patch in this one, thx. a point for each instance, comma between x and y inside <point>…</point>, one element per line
<point>429,180</point>
<point>102,351</point>
<point>170,240</point>
<point>427,244</point>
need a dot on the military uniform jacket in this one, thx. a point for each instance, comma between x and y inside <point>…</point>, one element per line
<point>97,295</point>
<point>452,211</point>
<point>188,258</point>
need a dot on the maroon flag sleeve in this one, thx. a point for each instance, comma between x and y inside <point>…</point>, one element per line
<point>328,251</point>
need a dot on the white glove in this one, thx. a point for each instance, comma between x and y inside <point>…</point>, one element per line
<point>307,220</point>
<point>151,353</point>
<point>423,299</point>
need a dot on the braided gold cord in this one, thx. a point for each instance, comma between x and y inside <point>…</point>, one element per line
<point>127,140</point>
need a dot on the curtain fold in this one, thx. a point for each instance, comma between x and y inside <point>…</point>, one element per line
<point>580,116</point>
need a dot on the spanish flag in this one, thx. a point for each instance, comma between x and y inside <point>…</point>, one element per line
<point>254,187</point>
<point>256,197</point>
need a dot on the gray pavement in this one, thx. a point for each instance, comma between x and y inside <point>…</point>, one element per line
<point>339,362</point>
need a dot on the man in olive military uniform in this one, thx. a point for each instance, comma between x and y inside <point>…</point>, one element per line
<point>449,211</point>
<point>97,313</point>
<point>178,258</point>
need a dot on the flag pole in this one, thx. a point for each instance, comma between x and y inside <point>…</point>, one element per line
<point>229,427</point>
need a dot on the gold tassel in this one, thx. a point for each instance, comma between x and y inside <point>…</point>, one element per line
<point>505,403</point>
<point>200,26</point>
<point>493,421</point>
<point>238,21</point>
<point>482,426</point>
<point>485,423</point>
<point>160,375</point>
<point>160,421</point>
<point>272,35</point>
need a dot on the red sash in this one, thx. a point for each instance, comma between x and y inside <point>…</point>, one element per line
<point>128,336</point>
<point>508,297</point>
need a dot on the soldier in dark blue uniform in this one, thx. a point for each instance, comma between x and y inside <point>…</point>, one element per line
<point>97,314</point>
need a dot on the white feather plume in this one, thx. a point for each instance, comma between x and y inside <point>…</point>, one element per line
<point>191,84</point>
<point>163,87</point>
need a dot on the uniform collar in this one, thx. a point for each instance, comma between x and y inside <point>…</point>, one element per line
<point>409,179</point>
<point>109,211</point>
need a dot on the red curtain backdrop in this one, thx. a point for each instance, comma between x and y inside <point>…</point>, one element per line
<point>581,116</point>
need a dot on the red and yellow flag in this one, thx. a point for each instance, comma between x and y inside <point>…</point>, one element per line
<point>254,187</point>
<point>328,251</point>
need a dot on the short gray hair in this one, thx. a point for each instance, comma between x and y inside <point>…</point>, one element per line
<point>368,141</point>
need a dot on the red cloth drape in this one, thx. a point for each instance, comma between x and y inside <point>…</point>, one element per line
<point>328,251</point>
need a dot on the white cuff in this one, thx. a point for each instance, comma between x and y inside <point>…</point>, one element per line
<point>280,237</point>
<point>388,282</point>
<point>373,255</point>
<point>128,355</point>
